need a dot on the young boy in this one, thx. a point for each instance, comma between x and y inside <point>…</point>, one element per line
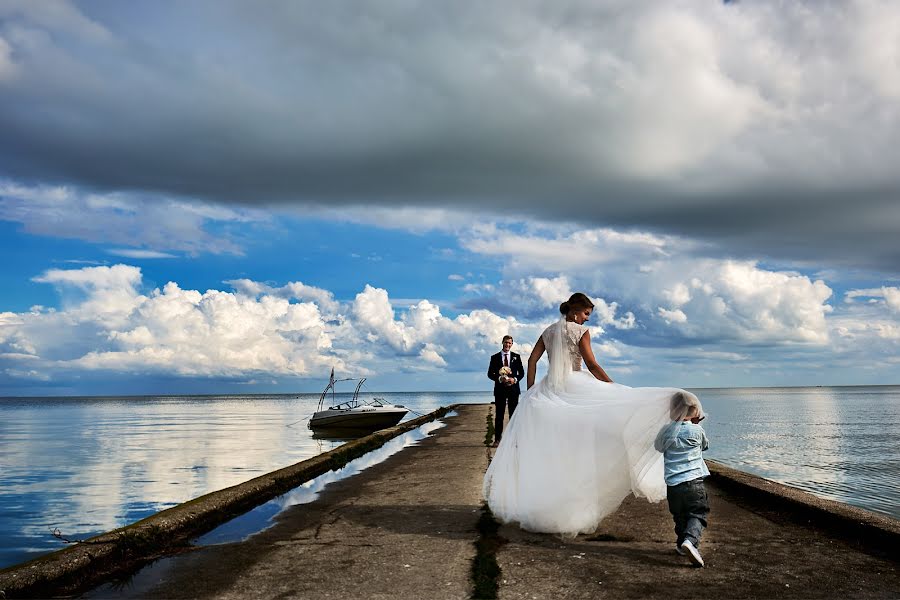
<point>682,443</point>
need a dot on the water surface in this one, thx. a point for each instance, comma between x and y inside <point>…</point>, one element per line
<point>88,465</point>
<point>839,443</point>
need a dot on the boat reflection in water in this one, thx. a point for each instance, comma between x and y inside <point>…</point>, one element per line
<point>338,435</point>
<point>353,418</point>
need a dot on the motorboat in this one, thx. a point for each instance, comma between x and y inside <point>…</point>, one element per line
<point>354,414</point>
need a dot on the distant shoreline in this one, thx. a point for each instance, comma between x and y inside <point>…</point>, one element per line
<point>483,391</point>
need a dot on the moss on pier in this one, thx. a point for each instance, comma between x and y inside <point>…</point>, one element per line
<point>485,569</point>
<point>489,434</point>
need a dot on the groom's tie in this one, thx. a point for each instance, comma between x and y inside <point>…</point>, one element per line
<point>506,360</point>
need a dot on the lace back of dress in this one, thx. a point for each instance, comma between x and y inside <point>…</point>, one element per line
<point>560,363</point>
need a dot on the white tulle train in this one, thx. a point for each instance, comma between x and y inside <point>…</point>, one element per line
<point>569,458</point>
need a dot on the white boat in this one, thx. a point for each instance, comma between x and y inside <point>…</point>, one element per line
<point>354,414</point>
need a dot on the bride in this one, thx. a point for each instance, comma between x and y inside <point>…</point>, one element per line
<point>578,443</point>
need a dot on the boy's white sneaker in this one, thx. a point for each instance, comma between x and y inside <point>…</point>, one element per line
<point>692,553</point>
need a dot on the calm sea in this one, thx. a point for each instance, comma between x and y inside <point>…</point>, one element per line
<point>88,465</point>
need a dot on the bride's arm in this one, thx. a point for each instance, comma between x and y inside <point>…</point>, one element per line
<point>536,354</point>
<point>587,353</point>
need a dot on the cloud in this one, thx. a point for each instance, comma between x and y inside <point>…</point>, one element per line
<point>892,297</point>
<point>672,316</point>
<point>214,333</point>
<point>738,300</point>
<point>108,323</point>
<point>549,291</point>
<point>131,253</point>
<point>668,292</point>
<point>375,315</point>
<point>422,335</point>
<point>723,317</point>
<point>889,295</point>
<point>566,248</point>
<point>292,290</point>
<point>866,331</point>
<point>413,219</point>
<point>94,278</point>
<point>59,15</point>
<point>7,66</point>
<point>96,293</point>
<point>150,226</point>
<point>721,122</point>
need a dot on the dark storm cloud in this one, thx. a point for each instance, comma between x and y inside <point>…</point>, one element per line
<point>767,127</point>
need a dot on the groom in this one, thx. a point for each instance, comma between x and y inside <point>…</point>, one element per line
<point>506,389</point>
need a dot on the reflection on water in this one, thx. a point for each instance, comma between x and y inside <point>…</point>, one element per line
<point>338,435</point>
<point>835,442</point>
<point>261,517</point>
<point>88,465</point>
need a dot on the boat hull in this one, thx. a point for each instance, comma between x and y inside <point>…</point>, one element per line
<point>357,419</point>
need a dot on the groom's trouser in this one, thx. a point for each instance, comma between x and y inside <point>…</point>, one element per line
<point>501,401</point>
<point>689,506</point>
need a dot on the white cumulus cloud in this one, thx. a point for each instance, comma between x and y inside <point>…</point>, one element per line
<point>663,286</point>
<point>109,323</point>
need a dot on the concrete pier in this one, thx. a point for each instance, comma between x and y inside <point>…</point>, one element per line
<point>409,528</point>
<point>404,528</point>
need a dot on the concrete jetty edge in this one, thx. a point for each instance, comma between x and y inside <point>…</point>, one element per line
<point>775,500</point>
<point>120,551</point>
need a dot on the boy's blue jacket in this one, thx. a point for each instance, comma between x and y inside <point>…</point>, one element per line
<point>682,444</point>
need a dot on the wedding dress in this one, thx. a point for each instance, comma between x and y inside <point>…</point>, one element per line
<point>576,446</point>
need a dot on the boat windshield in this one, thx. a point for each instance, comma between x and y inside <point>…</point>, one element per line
<point>349,404</point>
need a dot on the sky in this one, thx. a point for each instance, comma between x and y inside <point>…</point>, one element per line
<point>232,197</point>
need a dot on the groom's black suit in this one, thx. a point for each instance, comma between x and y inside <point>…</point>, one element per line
<point>505,394</point>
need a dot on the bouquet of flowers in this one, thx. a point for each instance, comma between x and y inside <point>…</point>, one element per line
<point>505,375</point>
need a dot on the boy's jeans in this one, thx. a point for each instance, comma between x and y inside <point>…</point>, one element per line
<point>689,507</point>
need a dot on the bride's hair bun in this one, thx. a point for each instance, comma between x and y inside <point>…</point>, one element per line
<point>576,301</point>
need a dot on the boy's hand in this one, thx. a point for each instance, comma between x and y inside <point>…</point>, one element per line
<point>696,420</point>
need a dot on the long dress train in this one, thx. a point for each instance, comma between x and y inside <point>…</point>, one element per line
<point>576,446</point>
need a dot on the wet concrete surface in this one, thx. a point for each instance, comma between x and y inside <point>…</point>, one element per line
<point>747,555</point>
